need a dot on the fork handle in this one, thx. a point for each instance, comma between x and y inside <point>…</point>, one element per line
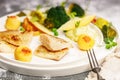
<point>96,69</point>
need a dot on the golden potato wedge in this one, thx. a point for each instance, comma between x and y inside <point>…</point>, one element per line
<point>28,26</point>
<point>35,27</point>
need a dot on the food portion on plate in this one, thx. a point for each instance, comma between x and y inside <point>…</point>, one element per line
<point>108,31</point>
<point>12,23</point>
<point>52,47</point>
<point>37,28</point>
<point>23,53</point>
<point>11,39</point>
<point>85,31</point>
<point>85,42</point>
<point>53,43</point>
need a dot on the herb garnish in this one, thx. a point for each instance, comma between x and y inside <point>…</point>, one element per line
<point>109,43</point>
<point>54,30</point>
<point>77,23</point>
<point>109,35</point>
<point>72,14</point>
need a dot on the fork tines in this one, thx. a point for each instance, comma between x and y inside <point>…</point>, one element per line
<point>94,64</point>
<point>92,59</point>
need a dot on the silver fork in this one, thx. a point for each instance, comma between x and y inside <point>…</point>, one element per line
<point>94,64</point>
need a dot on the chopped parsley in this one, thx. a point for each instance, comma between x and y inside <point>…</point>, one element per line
<point>109,43</point>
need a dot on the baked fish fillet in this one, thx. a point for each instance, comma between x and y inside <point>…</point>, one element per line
<point>53,43</point>
<point>16,38</point>
<point>41,51</point>
<point>6,47</point>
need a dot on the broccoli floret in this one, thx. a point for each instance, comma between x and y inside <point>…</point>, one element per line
<point>77,9</point>
<point>56,16</point>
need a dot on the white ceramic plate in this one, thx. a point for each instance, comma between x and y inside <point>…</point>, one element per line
<point>74,62</point>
